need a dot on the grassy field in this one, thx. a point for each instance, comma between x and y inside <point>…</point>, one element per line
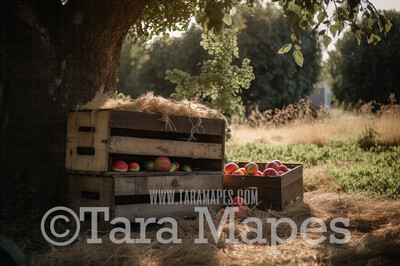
<point>358,151</point>
<point>372,171</point>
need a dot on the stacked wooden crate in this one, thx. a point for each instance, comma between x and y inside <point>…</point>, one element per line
<point>96,139</point>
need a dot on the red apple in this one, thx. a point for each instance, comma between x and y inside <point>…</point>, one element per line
<point>243,171</point>
<point>230,168</point>
<point>280,173</point>
<point>277,162</point>
<point>133,167</point>
<point>176,166</point>
<point>270,172</point>
<point>283,168</point>
<point>238,201</point>
<point>120,166</point>
<point>238,172</point>
<point>251,168</point>
<point>162,164</point>
<point>272,165</point>
<point>259,173</point>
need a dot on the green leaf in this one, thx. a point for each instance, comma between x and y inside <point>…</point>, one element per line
<point>297,47</point>
<point>327,40</point>
<point>374,39</point>
<point>322,16</point>
<point>298,57</point>
<point>227,19</point>
<point>388,25</point>
<point>333,29</point>
<point>286,48</point>
<point>293,37</point>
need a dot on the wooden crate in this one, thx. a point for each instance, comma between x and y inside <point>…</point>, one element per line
<point>127,194</point>
<point>273,192</point>
<point>96,139</point>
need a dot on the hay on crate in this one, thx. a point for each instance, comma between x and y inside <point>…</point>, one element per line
<point>150,103</point>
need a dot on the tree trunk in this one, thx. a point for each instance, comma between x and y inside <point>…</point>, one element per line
<point>53,57</point>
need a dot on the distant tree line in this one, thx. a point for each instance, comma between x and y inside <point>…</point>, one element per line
<point>366,72</point>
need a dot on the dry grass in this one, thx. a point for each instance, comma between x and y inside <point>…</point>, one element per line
<point>317,178</point>
<point>336,125</point>
<point>388,123</point>
<point>374,227</point>
<point>300,124</point>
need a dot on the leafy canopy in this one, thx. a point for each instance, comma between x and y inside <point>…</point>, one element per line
<point>159,16</point>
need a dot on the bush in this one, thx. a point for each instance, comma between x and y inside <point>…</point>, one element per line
<point>368,138</point>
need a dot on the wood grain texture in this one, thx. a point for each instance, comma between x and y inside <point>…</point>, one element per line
<point>158,211</point>
<point>158,147</point>
<point>103,186</point>
<point>98,140</point>
<point>154,122</point>
<point>245,181</point>
<point>141,185</point>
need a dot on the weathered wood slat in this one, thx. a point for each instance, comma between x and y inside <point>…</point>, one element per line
<point>244,181</point>
<point>154,122</point>
<point>293,193</point>
<point>158,174</point>
<point>144,173</point>
<point>97,140</point>
<point>133,211</point>
<point>293,175</point>
<point>142,185</point>
<point>156,147</point>
<point>101,186</point>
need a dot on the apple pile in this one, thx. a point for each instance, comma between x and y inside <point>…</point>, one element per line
<point>237,202</point>
<point>273,168</point>
<point>160,164</point>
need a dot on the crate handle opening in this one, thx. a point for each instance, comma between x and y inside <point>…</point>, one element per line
<point>87,129</point>
<point>85,151</point>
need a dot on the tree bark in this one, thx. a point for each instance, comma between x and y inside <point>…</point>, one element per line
<point>53,57</point>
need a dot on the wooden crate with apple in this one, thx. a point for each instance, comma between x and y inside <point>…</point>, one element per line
<point>96,139</point>
<point>273,192</point>
<point>99,140</point>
